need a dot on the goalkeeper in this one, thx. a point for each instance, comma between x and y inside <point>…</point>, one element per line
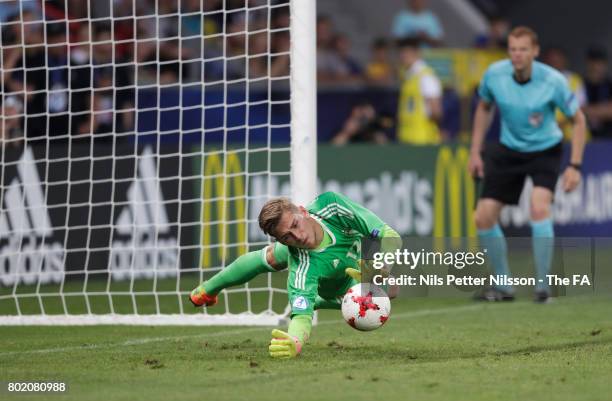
<point>321,246</point>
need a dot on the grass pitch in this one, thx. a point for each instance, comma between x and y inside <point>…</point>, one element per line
<point>429,350</point>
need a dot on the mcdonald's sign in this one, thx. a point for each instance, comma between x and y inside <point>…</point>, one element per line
<point>223,209</point>
<point>454,195</point>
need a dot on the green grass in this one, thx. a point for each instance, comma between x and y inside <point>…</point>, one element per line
<point>429,350</point>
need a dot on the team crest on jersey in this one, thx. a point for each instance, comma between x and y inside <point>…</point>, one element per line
<point>535,119</point>
<point>300,303</point>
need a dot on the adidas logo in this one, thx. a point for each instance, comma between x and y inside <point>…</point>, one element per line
<point>28,254</point>
<point>142,243</point>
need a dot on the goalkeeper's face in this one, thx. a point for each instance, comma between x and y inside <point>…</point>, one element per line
<point>298,230</point>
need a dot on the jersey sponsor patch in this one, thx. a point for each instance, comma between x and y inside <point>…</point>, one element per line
<point>300,303</point>
<point>535,119</point>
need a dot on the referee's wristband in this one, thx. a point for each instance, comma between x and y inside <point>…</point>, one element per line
<point>576,166</point>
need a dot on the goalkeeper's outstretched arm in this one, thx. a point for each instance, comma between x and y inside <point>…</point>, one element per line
<point>390,241</point>
<point>289,344</point>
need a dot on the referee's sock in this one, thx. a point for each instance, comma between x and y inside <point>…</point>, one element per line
<point>494,242</point>
<point>543,245</point>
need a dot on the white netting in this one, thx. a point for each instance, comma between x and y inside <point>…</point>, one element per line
<point>139,140</point>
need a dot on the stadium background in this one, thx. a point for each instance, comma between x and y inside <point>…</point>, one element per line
<point>423,191</point>
<point>152,185</point>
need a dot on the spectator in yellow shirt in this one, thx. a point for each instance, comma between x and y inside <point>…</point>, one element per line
<point>420,99</point>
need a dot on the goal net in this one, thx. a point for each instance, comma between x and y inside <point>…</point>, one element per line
<point>139,139</point>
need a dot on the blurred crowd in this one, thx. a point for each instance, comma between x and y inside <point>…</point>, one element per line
<point>395,64</point>
<point>73,67</point>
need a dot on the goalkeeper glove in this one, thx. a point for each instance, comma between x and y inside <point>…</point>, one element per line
<point>284,345</point>
<point>366,271</point>
<point>364,267</point>
<point>354,273</point>
<point>392,290</point>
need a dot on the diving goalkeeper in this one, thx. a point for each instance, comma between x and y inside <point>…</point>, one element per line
<point>321,246</point>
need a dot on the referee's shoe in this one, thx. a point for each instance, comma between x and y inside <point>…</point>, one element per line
<point>542,297</point>
<point>492,294</point>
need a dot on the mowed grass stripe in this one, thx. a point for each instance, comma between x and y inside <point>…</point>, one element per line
<point>149,340</point>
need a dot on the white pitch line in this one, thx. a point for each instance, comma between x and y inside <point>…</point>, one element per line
<point>148,340</point>
<point>129,343</point>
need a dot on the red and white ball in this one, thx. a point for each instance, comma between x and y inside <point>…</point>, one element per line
<point>366,307</point>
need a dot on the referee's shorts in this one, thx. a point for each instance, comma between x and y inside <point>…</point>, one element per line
<point>506,170</point>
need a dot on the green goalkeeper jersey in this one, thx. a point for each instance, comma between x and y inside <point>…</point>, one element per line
<point>320,271</point>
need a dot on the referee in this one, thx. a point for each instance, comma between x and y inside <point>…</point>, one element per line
<point>527,94</point>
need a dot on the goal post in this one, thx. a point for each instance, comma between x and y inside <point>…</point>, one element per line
<point>303,102</point>
<point>138,142</point>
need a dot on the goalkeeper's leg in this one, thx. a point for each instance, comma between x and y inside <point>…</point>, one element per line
<point>240,271</point>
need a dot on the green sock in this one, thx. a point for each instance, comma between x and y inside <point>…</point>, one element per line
<point>241,270</point>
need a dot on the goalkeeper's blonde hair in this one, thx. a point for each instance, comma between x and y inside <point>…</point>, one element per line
<point>271,213</point>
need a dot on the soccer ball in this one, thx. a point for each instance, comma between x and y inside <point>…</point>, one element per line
<point>366,307</point>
